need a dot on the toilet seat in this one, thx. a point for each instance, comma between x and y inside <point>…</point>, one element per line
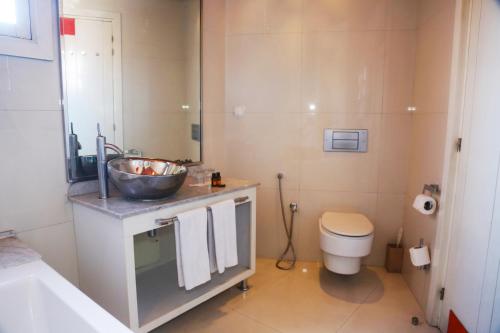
<point>346,224</point>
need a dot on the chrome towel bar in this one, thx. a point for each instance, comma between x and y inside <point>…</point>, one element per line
<point>7,234</point>
<point>170,220</point>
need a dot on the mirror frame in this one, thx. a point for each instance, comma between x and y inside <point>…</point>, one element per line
<point>63,98</point>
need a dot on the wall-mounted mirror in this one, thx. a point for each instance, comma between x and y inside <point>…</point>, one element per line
<point>134,67</point>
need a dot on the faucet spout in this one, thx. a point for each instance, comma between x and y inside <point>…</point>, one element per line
<point>102,168</point>
<point>114,148</point>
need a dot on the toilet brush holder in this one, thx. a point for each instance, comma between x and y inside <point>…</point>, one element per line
<point>394,258</point>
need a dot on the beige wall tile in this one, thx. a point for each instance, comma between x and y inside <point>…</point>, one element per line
<point>339,171</point>
<point>214,16</point>
<point>343,71</point>
<point>214,61</point>
<point>427,150</point>
<point>260,145</point>
<point>56,244</point>
<point>427,9</point>
<point>243,16</point>
<point>263,72</point>
<point>388,220</point>
<point>341,15</point>
<point>214,94</point>
<point>284,15</point>
<point>156,122</point>
<point>395,145</point>
<point>433,64</point>
<point>271,237</point>
<point>27,84</point>
<point>152,85</point>
<point>402,14</point>
<point>261,16</point>
<point>32,199</point>
<point>399,71</point>
<point>214,141</point>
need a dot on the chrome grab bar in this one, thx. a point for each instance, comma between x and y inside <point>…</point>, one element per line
<point>170,220</point>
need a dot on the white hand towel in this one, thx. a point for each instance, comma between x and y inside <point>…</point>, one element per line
<point>211,245</point>
<point>224,224</point>
<point>191,246</point>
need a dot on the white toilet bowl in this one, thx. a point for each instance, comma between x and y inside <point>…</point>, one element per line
<point>345,238</point>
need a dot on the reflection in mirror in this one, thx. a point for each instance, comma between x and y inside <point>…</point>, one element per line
<point>133,67</point>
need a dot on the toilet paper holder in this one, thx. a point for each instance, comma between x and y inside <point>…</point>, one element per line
<point>420,245</point>
<point>432,188</point>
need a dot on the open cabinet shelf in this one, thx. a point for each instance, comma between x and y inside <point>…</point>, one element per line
<point>158,292</point>
<point>159,296</point>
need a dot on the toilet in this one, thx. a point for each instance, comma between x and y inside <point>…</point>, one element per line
<point>345,238</point>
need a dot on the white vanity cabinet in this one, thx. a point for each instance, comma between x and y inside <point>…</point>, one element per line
<point>127,261</point>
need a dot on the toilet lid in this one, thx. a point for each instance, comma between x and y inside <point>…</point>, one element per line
<point>347,224</point>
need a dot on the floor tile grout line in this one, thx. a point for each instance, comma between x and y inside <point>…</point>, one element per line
<point>258,321</point>
<point>252,295</point>
<point>363,302</point>
<point>235,307</point>
<point>348,317</point>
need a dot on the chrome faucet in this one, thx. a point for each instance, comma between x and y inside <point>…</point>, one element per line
<point>102,169</point>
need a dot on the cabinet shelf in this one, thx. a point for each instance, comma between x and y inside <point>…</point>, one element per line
<point>158,293</point>
<point>159,297</point>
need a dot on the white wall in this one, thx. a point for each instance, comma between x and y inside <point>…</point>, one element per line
<point>32,169</point>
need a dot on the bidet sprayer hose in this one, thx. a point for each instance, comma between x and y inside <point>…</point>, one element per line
<point>282,262</point>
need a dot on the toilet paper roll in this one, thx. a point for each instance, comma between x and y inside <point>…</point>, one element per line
<point>425,204</point>
<point>420,256</point>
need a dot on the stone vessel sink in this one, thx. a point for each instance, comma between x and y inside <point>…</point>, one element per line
<point>146,178</point>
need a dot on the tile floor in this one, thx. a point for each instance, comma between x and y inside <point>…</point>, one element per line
<point>308,299</point>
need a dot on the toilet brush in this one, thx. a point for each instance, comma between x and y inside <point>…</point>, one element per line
<point>398,238</point>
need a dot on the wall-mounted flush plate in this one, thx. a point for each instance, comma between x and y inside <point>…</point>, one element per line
<point>352,140</point>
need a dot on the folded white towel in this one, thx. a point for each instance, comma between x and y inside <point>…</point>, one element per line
<point>211,245</point>
<point>224,224</point>
<point>191,248</point>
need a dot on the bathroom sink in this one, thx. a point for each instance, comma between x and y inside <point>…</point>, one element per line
<point>146,178</point>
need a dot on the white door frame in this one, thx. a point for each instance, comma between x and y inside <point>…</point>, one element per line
<point>115,19</point>
<point>464,58</point>
<point>451,182</point>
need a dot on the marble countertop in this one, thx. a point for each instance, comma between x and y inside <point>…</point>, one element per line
<point>120,207</point>
<point>13,252</point>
